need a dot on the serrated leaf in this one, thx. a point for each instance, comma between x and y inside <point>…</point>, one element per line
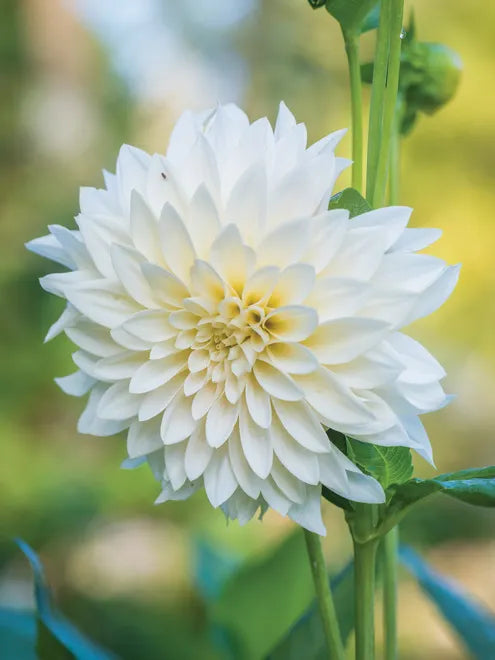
<point>474,486</point>
<point>350,13</point>
<point>389,465</point>
<point>262,600</point>
<point>351,200</point>
<point>57,637</point>
<point>472,622</point>
<point>305,639</point>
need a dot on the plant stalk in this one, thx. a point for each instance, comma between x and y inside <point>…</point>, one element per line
<point>377,96</point>
<point>390,547</point>
<point>351,41</point>
<point>364,580</point>
<point>389,101</point>
<point>324,597</point>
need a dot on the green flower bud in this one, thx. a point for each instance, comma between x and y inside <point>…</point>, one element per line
<point>430,75</point>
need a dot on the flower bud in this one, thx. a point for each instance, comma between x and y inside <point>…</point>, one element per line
<point>430,75</point>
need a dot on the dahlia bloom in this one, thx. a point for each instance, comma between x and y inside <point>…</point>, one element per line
<point>224,317</point>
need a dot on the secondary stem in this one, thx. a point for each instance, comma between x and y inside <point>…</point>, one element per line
<point>326,605</point>
<point>377,94</point>
<point>390,569</point>
<point>389,101</point>
<point>351,41</point>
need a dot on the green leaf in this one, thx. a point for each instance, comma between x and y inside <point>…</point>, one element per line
<point>474,486</point>
<point>372,19</point>
<point>350,13</point>
<point>351,200</point>
<point>57,637</point>
<point>265,597</point>
<point>473,623</point>
<point>305,639</point>
<point>389,465</point>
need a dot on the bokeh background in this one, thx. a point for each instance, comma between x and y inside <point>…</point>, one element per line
<point>80,77</point>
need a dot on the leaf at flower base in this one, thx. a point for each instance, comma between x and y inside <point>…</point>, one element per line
<point>351,200</point>
<point>389,465</point>
<point>474,486</point>
<point>264,598</point>
<point>372,19</point>
<point>472,622</point>
<point>305,639</point>
<point>57,638</point>
<point>350,13</point>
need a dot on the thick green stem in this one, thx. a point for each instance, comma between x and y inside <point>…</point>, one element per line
<point>389,101</point>
<point>326,605</point>
<point>351,41</point>
<point>390,546</point>
<point>394,169</point>
<point>365,546</point>
<point>377,96</point>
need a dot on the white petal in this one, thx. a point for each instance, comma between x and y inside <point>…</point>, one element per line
<point>292,358</point>
<point>329,230</point>
<point>276,383</point>
<point>247,203</point>
<point>144,438</point>
<point>75,384</point>
<point>360,254</point>
<point>342,340</point>
<point>150,326</point>
<point>300,462</point>
<point>118,403</point>
<point>93,338</point>
<point>157,400</point>
<point>303,425</point>
<point>90,423</point>
<point>294,285</point>
<point>121,365</point>
<point>290,485</point>
<point>232,259</point>
<point>177,421</point>
<point>220,482</point>
<point>132,165</point>
<point>144,229</point>
<point>292,323</point>
<point>435,295</point>
<point>198,453</point>
<point>256,444</point>
<point>102,302</point>
<point>284,245</point>
<point>167,288</point>
<point>392,219</point>
<point>204,222</point>
<point>220,420</point>
<point>204,399</point>
<point>274,497</point>
<point>177,246</point>
<point>334,402</point>
<point>66,320</point>
<point>157,372</point>
<point>174,464</point>
<point>335,297</point>
<point>49,247</point>
<point>416,239</point>
<point>260,285</point>
<point>247,479</point>
<point>285,121</point>
<point>258,403</point>
<point>308,513</point>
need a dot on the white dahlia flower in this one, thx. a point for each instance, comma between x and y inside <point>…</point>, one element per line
<point>224,317</point>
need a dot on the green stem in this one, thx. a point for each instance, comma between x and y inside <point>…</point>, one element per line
<point>394,170</point>
<point>364,580</point>
<point>377,96</point>
<point>390,569</point>
<point>351,41</point>
<point>326,605</point>
<point>389,101</point>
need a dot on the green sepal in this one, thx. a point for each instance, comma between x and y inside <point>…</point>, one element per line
<point>351,200</point>
<point>351,14</point>
<point>474,486</point>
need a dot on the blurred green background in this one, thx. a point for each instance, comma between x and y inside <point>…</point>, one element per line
<point>80,77</point>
